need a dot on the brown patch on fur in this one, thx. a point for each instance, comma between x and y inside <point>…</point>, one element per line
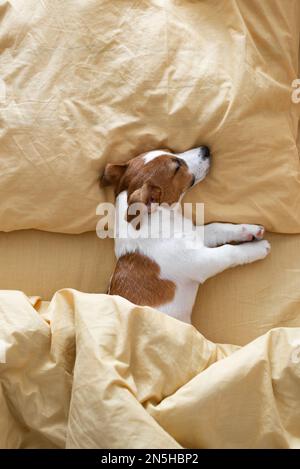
<point>162,173</point>
<point>162,180</point>
<point>112,174</point>
<point>136,278</point>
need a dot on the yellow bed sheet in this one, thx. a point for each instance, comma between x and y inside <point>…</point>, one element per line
<point>234,307</point>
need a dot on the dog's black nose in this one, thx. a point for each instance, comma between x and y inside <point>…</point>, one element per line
<point>205,152</point>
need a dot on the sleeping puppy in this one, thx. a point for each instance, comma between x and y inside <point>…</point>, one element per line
<point>165,272</point>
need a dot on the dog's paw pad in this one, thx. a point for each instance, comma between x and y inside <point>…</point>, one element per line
<point>260,233</point>
<point>252,232</point>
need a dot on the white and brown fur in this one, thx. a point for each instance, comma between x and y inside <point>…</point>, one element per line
<point>165,273</point>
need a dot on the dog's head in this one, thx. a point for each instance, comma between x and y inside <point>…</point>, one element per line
<point>158,176</point>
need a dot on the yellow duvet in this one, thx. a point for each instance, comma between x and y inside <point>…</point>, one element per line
<point>108,374</point>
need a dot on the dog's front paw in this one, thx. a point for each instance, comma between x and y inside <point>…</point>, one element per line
<point>256,250</point>
<point>265,247</point>
<point>252,232</point>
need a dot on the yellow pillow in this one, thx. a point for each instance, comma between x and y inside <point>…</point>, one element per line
<point>87,82</point>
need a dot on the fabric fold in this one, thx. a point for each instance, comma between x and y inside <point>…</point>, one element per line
<point>101,372</point>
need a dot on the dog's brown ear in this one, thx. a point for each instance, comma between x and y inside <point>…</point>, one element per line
<point>146,195</point>
<point>112,174</point>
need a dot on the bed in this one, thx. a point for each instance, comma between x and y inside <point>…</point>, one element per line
<point>87,82</point>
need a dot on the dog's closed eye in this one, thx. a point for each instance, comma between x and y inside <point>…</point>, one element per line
<point>178,164</point>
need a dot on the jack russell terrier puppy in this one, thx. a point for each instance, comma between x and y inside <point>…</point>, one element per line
<point>165,273</point>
